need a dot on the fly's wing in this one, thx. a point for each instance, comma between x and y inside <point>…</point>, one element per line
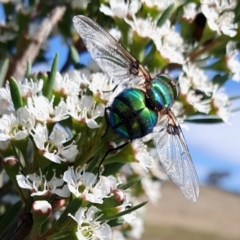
<point>113,59</point>
<point>175,157</point>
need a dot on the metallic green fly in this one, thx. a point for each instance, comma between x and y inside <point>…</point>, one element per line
<point>142,104</point>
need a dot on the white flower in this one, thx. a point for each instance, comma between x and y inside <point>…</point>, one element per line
<point>169,43</point>
<point>101,85</point>
<point>85,110</point>
<point>196,100</point>
<point>121,8</point>
<point>79,182</point>
<point>177,109</point>
<point>190,11</point>
<point>44,111</point>
<point>233,63</point>
<point>39,186</point>
<point>52,146</point>
<point>29,87</point>
<point>221,104</point>
<point>68,84</point>
<point>219,19</point>
<point>89,227</point>
<point>85,185</point>
<point>102,189</point>
<point>224,24</point>
<point>193,77</point>
<point>137,229</point>
<point>69,152</point>
<point>115,33</point>
<point>143,27</point>
<point>40,135</point>
<point>6,104</point>
<point>117,235</point>
<point>159,4</point>
<point>142,157</point>
<point>16,128</point>
<point>151,188</point>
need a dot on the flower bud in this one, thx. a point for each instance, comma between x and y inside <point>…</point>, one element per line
<point>11,166</point>
<point>41,210</point>
<point>118,197</point>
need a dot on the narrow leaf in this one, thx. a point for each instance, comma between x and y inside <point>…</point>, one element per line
<point>64,235</point>
<point>236,109</point>
<point>130,183</point>
<point>10,217</point>
<point>28,70</point>
<point>129,210</point>
<point>48,85</point>
<point>93,163</point>
<point>64,218</point>
<point>220,79</point>
<point>3,71</point>
<point>234,98</point>
<point>74,55</point>
<point>116,222</point>
<point>165,15</point>
<point>205,120</point>
<point>15,94</point>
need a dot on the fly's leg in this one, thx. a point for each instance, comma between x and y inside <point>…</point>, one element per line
<point>106,119</point>
<point>109,151</point>
<point>109,91</point>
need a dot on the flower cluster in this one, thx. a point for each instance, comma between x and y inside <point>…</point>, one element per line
<point>52,145</point>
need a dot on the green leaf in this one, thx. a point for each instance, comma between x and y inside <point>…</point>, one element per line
<point>157,61</point>
<point>48,85</point>
<point>3,70</point>
<point>236,10</point>
<point>220,65</point>
<point>64,235</point>
<point>111,169</point>
<point>116,222</point>
<point>74,55</point>
<point>15,94</point>
<point>220,80</point>
<point>129,183</point>
<point>235,109</point>
<point>64,219</point>
<point>208,34</point>
<point>165,15</point>
<point>93,163</point>
<point>147,58</point>
<point>28,70</point>
<point>207,119</point>
<point>115,216</point>
<point>234,98</point>
<point>10,218</point>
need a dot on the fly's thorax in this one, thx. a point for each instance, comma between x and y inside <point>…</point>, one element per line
<point>162,92</point>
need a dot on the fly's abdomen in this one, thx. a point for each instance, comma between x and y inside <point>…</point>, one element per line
<point>128,115</point>
<point>162,92</point>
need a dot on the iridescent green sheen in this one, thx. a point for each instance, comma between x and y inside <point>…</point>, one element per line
<point>161,94</point>
<point>129,116</point>
<point>171,82</point>
<point>133,113</point>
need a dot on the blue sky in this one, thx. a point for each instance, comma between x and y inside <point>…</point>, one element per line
<point>216,148</point>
